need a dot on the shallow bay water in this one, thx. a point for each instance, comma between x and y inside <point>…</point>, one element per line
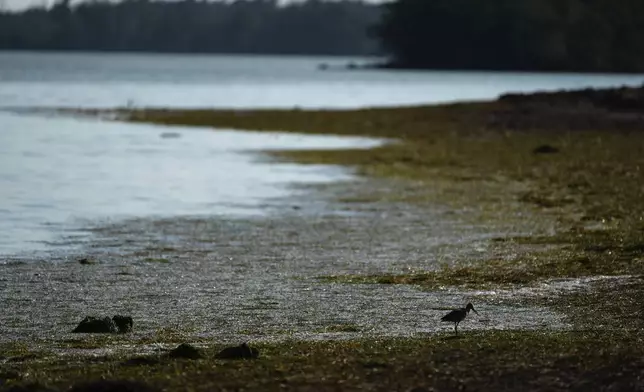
<point>60,172</point>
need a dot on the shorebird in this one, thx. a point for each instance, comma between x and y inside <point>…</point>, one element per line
<point>458,315</point>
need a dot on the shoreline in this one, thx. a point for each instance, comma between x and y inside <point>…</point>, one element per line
<point>496,164</point>
<point>476,141</point>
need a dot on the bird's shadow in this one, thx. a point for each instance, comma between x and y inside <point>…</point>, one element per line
<point>452,337</point>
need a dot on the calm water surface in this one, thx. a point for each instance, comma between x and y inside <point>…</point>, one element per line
<point>56,171</point>
<point>107,80</point>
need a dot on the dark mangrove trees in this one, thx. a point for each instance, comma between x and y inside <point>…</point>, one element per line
<point>548,35</point>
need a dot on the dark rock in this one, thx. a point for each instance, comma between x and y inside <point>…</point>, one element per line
<point>113,386</point>
<point>141,361</point>
<point>243,351</point>
<point>123,323</point>
<point>185,350</point>
<point>86,261</point>
<point>545,149</point>
<point>96,325</point>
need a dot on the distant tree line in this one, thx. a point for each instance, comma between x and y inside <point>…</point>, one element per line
<point>243,26</point>
<point>543,35</point>
<point>568,35</point>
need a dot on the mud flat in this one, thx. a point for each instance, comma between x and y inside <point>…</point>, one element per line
<point>520,206</point>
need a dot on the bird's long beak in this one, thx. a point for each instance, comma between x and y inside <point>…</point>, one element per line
<point>475,311</point>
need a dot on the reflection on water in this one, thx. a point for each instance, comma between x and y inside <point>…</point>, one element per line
<point>56,170</point>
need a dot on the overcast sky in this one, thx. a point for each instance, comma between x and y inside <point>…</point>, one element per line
<point>21,4</point>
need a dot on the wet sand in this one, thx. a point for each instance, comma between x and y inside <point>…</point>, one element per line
<point>259,278</point>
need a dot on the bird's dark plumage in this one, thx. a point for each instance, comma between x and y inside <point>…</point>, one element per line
<point>458,315</point>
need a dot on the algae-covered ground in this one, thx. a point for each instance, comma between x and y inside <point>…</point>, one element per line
<point>529,206</point>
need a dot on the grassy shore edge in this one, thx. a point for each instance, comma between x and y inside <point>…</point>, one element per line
<point>591,184</point>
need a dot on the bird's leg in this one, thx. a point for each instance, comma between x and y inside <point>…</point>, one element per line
<point>456,328</point>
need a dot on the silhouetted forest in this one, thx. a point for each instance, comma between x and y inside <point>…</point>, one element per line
<point>243,26</point>
<point>546,35</point>
<point>569,35</point>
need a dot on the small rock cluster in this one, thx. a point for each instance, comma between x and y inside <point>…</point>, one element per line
<point>587,109</point>
<point>243,351</point>
<point>187,351</point>
<point>116,324</point>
